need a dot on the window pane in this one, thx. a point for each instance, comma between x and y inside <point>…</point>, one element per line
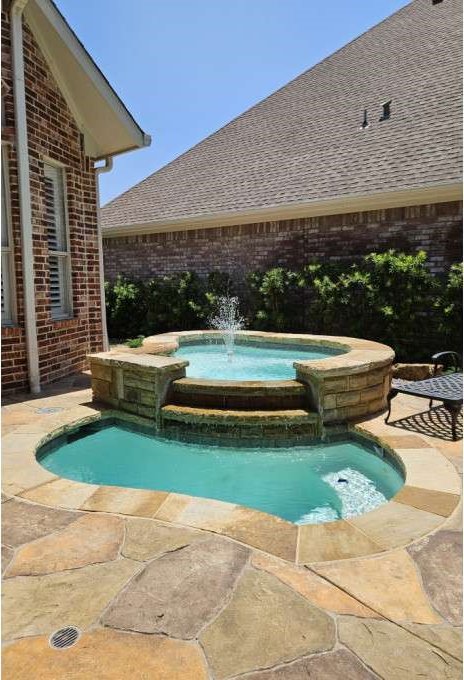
<point>5,240</point>
<point>6,289</point>
<point>54,208</point>
<point>59,293</point>
<point>7,255</point>
<point>59,261</point>
<point>56,297</point>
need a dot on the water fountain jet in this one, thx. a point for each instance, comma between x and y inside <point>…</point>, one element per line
<point>228,321</point>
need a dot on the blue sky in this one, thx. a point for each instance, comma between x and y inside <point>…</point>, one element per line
<point>184,68</point>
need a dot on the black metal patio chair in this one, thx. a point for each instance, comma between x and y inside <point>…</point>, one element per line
<point>445,388</point>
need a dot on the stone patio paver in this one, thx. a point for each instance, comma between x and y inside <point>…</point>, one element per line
<point>178,593</point>
<point>265,532</point>
<point>88,540</point>
<point>24,522</point>
<point>445,637</point>
<point>264,624</point>
<point>23,471</point>
<point>276,619</point>
<point>439,559</point>
<point>339,665</point>
<point>140,502</point>
<point>7,556</point>
<point>195,512</point>
<point>454,522</point>
<point>404,441</point>
<point>61,493</point>
<point>333,541</point>
<point>38,605</point>
<point>396,654</point>
<point>425,468</point>
<point>105,655</point>
<point>146,539</point>
<point>390,584</point>
<point>16,444</point>
<point>14,416</point>
<point>437,502</point>
<point>311,586</point>
<point>12,489</point>
<point>395,523</point>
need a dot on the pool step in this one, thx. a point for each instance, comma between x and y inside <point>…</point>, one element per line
<point>236,422</point>
<point>247,396</point>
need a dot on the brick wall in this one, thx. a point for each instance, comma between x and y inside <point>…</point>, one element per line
<point>435,228</point>
<point>53,133</point>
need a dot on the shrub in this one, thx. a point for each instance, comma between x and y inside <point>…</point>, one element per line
<point>276,297</point>
<point>320,298</point>
<point>182,301</point>
<point>390,297</point>
<point>126,308</point>
<point>174,303</point>
<point>450,305</point>
<point>135,342</point>
<point>403,303</point>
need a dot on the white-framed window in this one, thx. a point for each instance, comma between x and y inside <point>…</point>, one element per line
<point>59,258</point>
<point>7,264</point>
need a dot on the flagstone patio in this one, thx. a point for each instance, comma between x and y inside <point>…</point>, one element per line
<point>157,598</point>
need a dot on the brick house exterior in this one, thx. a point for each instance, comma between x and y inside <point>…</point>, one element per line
<point>360,153</point>
<point>239,249</point>
<point>54,138</point>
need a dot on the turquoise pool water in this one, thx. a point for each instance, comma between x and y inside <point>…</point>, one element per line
<point>303,484</point>
<point>249,362</point>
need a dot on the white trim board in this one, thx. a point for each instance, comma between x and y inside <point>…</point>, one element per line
<point>336,206</point>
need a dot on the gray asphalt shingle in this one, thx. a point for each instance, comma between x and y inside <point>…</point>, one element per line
<point>304,141</point>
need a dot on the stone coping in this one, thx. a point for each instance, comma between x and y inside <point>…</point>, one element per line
<point>149,362</point>
<point>250,387</point>
<point>358,355</point>
<point>430,494</point>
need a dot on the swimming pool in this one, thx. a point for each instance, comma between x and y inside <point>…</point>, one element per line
<point>304,484</point>
<point>249,361</point>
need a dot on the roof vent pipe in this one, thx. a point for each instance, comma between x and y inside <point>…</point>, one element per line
<point>386,112</point>
<point>364,124</point>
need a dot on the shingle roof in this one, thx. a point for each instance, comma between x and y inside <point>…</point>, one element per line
<point>304,141</point>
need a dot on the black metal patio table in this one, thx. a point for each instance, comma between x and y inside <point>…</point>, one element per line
<point>444,388</point>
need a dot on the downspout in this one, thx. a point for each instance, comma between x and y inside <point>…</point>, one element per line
<point>98,171</point>
<point>22,156</point>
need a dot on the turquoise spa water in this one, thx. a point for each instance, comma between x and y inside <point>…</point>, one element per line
<point>303,484</point>
<point>248,362</point>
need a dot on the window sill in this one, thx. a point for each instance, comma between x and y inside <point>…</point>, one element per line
<point>11,331</point>
<point>8,135</point>
<point>66,322</point>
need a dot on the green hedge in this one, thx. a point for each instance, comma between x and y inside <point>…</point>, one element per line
<point>179,302</point>
<point>390,297</point>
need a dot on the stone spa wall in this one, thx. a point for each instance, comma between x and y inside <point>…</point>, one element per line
<point>337,389</point>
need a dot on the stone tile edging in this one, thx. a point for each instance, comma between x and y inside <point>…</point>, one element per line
<point>430,495</point>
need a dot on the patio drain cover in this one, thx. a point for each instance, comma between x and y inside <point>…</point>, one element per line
<point>49,409</point>
<point>64,637</point>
